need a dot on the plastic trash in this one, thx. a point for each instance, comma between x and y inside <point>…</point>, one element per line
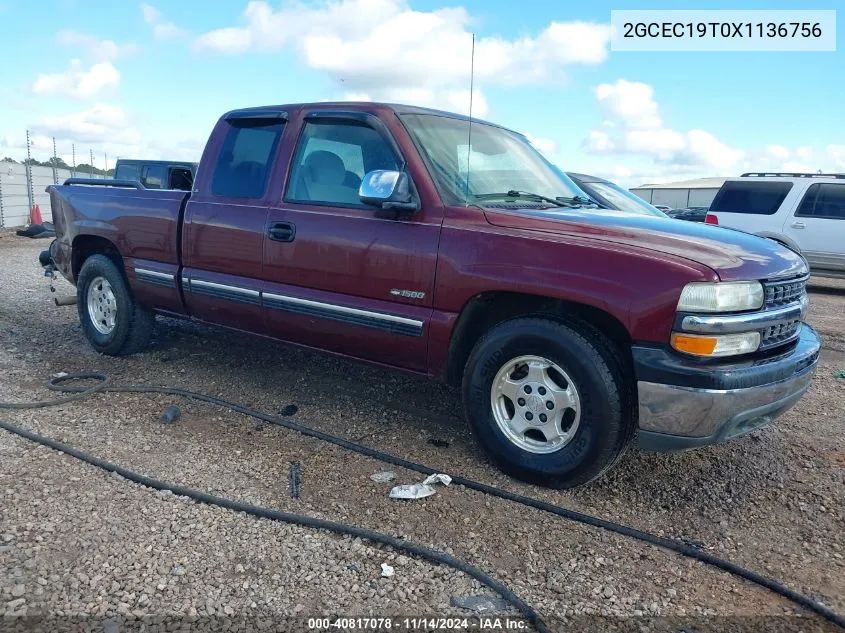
<point>412,491</point>
<point>386,570</point>
<point>841,374</point>
<point>171,414</point>
<point>438,478</point>
<point>383,477</point>
<point>420,491</point>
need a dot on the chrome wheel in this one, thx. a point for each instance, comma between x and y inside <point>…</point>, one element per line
<point>102,305</point>
<point>535,404</point>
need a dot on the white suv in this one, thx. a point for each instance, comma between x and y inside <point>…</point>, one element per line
<point>806,212</point>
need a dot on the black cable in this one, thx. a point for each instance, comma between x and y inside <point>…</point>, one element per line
<point>416,549</point>
<point>56,384</point>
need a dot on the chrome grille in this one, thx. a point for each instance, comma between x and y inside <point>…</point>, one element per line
<point>780,293</point>
<point>777,334</point>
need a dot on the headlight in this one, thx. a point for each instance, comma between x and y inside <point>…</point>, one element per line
<point>712,346</point>
<point>733,296</point>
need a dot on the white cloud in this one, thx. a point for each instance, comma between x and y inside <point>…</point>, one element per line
<point>630,102</point>
<point>102,123</point>
<point>103,50</point>
<point>545,146</point>
<point>778,151</point>
<point>77,82</point>
<point>383,47</point>
<point>633,127</point>
<point>162,28</point>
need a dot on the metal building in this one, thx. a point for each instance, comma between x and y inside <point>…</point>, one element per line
<point>680,195</point>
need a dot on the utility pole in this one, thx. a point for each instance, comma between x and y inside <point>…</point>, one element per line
<point>28,171</point>
<point>73,160</point>
<point>91,164</point>
<point>55,160</point>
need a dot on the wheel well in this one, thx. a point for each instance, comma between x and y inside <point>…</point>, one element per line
<point>487,310</point>
<point>86,245</point>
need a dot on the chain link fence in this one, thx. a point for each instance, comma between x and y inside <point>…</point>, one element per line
<point>23,181</point>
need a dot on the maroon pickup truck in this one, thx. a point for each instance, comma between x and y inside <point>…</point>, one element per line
<point>381,233</point>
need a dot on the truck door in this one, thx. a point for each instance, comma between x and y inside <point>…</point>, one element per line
<point>342,275</point>
<point>818,226</point>
<point>224,226</point>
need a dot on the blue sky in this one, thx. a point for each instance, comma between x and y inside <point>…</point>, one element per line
<point>130,79</point>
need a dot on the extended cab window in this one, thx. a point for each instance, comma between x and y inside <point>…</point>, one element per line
<point>246,158</point>
<point>153,176</point>
<point>127,172</point>
<point>826,201</point>
<point>757,198</point>
<point>332,158</point>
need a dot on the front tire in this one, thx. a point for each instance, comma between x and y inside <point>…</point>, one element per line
<point>112,320</point>
<point>548,401</point>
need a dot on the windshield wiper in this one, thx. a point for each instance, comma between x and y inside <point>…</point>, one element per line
<point>578,201</point>
<point>561,201</point>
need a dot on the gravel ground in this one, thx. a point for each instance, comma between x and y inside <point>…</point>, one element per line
<point>76,541</point>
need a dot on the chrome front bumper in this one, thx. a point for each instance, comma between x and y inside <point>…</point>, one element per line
<point>729,402</point>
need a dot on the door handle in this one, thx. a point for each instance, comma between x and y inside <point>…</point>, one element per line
<point>798,225</point>
<point>281,231</point>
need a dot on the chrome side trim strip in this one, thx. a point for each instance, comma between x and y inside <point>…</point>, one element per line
<point>354,316</point>
<point>154,273</point>
<point>342,309</point>
<point>224,291</point>
<point>199,283</point>
<point>155,277</point>
<point>735,323</point>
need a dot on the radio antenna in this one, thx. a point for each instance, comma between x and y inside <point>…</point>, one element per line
<point>469,127</point>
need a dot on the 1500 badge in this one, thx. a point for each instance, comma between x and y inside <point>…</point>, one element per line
<point>411,294</point>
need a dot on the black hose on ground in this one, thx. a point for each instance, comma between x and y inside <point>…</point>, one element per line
<point>57,384</point>
<point>410,547</point>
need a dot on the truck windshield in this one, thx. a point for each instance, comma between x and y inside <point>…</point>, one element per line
<point>622,199</point>
<point>499,161</point>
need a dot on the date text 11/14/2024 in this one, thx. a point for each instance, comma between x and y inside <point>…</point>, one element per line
<point>409,624</point>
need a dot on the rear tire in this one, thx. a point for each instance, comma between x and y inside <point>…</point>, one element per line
<point>548,400</point>
<point>113,321</point>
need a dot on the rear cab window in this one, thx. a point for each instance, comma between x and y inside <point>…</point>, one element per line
<point>247,157</point>
<point>750,197</point>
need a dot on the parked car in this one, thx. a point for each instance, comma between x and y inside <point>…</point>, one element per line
<point>364,231</point>
<point>806,212</point>
<point>157,174</point>
<point>609,195</point>
<point>690,214</point>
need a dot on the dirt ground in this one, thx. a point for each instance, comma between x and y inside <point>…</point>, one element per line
<point>76,541</point>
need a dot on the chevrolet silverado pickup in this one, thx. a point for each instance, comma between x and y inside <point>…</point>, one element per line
<point>425,242</point>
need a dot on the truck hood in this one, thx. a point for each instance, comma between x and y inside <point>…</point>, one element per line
<point>733,255</point>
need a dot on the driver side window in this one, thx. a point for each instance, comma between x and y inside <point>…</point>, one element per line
<point>332,158</point>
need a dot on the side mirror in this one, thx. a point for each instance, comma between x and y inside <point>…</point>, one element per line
<point>387,190</point>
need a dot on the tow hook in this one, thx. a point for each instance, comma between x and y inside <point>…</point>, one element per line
<point>46,261</point>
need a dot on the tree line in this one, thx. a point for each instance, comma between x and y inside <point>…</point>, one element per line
<point>59,163</point>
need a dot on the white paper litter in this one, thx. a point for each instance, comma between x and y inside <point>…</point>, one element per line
<point>386,570</point>
<point>411,491</point>
<point>420,491</point>
<point>384,477</point>
<point>61,374</point>
<point>438,478</point>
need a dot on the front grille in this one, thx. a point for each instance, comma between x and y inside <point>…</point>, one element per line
<point>780,293</point>
<point>777,334</point>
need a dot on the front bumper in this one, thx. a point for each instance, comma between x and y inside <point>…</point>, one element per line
<point>685,403</point>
